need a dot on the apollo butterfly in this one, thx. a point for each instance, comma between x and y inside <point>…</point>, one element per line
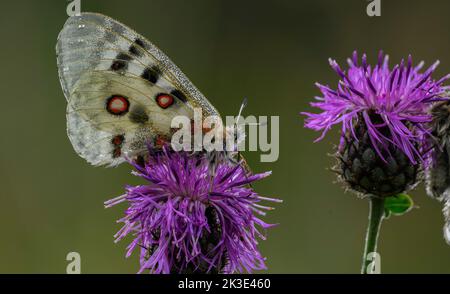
<point>121,90</point>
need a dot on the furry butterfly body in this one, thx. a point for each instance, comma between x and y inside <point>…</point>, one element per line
<point>122,91</point>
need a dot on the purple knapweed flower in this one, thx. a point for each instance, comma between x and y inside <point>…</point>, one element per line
<point>384,114</point>
<point>186,221</point>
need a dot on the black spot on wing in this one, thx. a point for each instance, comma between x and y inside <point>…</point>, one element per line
<point>179,95</point>
<point>138,115</point>
<point>140,160</point>
<point>151,74</point>
<point>139,42</point>
<point>120,62</point>
<point>134,48</point>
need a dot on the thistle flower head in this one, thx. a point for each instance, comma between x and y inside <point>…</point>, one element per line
<point>187,221</point>
<point>391,103</point>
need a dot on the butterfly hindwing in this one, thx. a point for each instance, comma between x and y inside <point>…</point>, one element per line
<point>112,101</point>
<point>91,144</point>
<point>124,106</point>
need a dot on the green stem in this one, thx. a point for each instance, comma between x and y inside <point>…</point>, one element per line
<point>376,215</point>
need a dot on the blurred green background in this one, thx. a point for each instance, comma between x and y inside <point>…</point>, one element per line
<point>269,51</point>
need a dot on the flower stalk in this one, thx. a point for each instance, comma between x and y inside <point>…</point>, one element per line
<point>376,216</point>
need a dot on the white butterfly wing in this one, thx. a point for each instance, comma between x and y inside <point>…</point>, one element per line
<point>103,136</point>
<point>113,80</point>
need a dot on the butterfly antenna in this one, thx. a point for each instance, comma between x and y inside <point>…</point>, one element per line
<point>243,105</point>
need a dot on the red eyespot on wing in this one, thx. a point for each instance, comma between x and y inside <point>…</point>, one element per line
<point>117,152</point>
<point>118,140</point>
<point>117,105</point>
<point>164,100</point>
<point>160,141</point>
